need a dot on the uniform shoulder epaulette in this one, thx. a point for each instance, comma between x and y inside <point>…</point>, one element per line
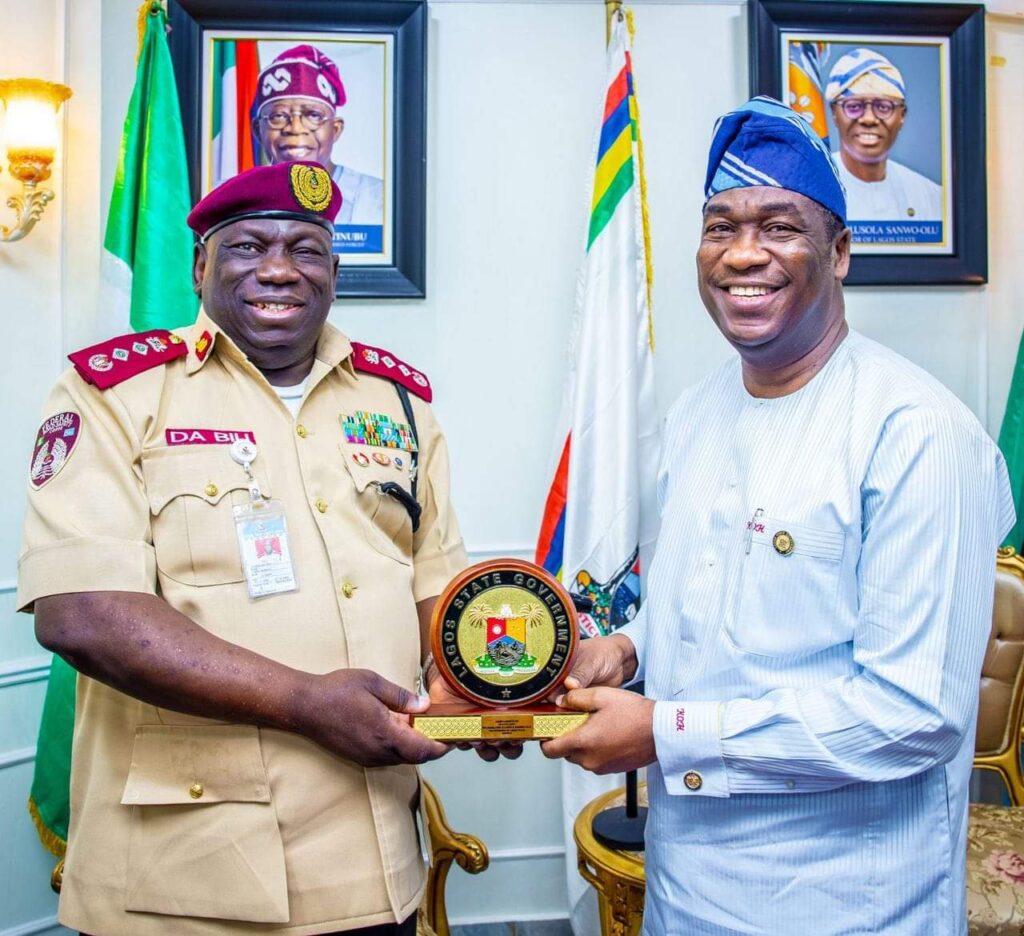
<point>115,360</point>
<point>383,363</point>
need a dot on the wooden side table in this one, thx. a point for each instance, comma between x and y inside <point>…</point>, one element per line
<point>617,876</point>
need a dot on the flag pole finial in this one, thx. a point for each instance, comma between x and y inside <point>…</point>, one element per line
<point>611,8</point>
<point>146,10</point>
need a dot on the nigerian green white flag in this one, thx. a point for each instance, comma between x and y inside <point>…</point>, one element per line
<point>1011,442</point>
<point>147,264</point>
<point>147,251</point>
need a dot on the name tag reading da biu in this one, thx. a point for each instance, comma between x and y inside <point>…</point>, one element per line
<point>264,549</point>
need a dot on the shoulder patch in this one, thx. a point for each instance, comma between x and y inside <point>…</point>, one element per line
<point>115,360</point>
<point>384,364</point>
<point>55,441</point>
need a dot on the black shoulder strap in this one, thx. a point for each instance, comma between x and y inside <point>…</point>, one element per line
<point>412,505</point>
<point>403,395</point>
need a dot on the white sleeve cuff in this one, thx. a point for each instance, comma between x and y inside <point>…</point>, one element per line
<point>689,748</point>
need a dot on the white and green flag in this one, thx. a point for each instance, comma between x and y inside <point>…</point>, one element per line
<point>147,250</point>
<point>147,263</point>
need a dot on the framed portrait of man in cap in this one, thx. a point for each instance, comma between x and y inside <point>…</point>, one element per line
<point>897,94</point>
<point>318,82</point>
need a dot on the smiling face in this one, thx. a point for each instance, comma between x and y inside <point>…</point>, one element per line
<point>269,284</point>
<point>295,141</point>
<point>869,137</point>
<point>770,274</point>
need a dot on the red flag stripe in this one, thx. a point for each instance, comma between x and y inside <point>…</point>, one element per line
<point>617,90</point>
<point>557,496</point>
<point>247,69</point>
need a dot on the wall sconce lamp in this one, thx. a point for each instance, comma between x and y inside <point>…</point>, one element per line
<point>31,138</point>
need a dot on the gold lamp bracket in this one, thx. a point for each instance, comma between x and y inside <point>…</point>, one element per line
<point>28,209</point>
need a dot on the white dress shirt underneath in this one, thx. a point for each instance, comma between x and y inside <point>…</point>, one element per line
<point>362,197</point>
<point>901,196</point>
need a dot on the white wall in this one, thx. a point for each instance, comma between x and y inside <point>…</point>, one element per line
<point>58,41</point>
<point>514,91</point>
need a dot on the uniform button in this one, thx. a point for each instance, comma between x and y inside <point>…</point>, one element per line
<point>321,505</point>
<point>790,784</point>
<point>693,780</point>
<point>196,790</point>
<point>348,589</point>
<point>300,431</point>
<point>211,490</point>
<point>711,562</point>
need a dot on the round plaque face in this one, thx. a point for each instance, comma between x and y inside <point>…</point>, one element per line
<point>504,633</point>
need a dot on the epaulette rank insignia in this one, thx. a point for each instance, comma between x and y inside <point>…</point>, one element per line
<point>384,364</point>
<point>110,362</point>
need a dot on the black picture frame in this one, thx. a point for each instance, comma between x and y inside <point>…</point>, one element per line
<point>964,27</point>
<point>406,22</point>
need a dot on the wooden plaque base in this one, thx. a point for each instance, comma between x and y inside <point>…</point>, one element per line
<point>457,722</point>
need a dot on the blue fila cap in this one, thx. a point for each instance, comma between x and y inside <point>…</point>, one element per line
<point>765,143</point>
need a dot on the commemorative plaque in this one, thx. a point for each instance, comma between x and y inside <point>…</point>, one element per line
<point>503,636</point>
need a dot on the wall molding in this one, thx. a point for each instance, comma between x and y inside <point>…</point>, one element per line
<point>13,759</point>
<point>25,670</point>
<point>41,925</point>
<point>480,553</point>
<point>500,919</point>
<point>526,853</point>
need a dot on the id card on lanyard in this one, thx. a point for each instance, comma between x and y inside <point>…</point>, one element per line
<point>263,546</point>
<point>262,532</point>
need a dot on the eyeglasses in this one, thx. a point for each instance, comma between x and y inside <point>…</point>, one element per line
<point>310,119</point>
<point>882,108</point>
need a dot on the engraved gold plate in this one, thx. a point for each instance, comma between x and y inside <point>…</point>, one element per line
<point>503,636</point>
<point>463,723</point>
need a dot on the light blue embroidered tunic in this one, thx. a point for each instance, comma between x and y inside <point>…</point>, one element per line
<point>817,690</point>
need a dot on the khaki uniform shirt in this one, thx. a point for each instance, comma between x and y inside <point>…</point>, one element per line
<point>283,834</point>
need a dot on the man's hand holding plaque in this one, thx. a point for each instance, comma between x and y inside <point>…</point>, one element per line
<point>503,636</point>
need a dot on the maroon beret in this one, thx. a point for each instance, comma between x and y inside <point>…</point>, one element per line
<point>301,191</point>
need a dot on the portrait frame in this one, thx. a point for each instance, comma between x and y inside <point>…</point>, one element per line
<point>960,30</point>
<point>400,271</point>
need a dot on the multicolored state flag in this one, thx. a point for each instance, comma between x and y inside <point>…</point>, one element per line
<point>147,250</point>
<point>1011,443</point>
<point>147,279</point>
<point>513,628</point>
<point>806,95</point>
<point>600,515</point>
<point>236,69</point>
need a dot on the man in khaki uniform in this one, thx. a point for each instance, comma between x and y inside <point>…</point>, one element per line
<point>211,542</point>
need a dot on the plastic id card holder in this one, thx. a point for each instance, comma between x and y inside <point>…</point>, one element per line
<point>263,547</point>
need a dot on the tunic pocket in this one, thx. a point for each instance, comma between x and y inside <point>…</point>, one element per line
<point>191,491</point>
<point>388,527</point>
<point>789,589</point>
<point>204,839</point>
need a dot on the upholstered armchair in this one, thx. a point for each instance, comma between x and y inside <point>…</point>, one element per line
<point>995,835</point>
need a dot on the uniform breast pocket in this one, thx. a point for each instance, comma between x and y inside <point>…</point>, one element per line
<point>388,527</point>
<point>789,590</point>
<point>204,839</point>
<point>192,490</point>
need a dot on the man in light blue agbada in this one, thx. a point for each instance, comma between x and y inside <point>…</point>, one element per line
<point>820,597</point>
